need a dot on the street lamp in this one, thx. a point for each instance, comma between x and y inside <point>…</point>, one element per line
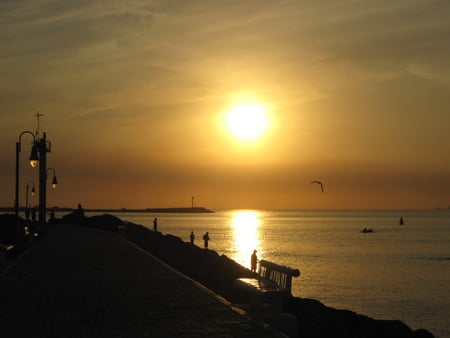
<point>54,180</point>
<point>54,184</point>
<point>33,162</point>
<point>27,206</point>
<point>34,157</point>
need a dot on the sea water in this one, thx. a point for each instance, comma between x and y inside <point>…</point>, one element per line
<point>396,272</point>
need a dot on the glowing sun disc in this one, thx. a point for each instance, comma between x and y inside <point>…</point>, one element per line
<point>247,121</point>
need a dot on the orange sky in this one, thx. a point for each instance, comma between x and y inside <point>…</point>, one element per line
<point>134,98</point>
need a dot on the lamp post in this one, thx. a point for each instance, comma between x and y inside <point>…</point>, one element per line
<point>33,162</point>
<point>54,180</point>
<point>43,147</point>
<point>43,196</point>
<point>27,206</point>
<point>54,184</point>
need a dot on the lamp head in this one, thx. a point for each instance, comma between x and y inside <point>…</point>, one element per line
<point>34,158</point>
<point>54,182</point>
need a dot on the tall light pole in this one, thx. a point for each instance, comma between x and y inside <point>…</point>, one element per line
<point>43,146</point>
<point>33,162</point>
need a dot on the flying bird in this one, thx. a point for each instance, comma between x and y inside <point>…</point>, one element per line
<point>320,183</point>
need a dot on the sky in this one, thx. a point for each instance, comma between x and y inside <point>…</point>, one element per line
<point>135,96</point>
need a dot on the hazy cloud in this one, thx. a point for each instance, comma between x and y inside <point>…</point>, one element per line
<point>143,82</point>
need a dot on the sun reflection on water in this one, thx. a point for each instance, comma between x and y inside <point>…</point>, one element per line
<point>245,225</point>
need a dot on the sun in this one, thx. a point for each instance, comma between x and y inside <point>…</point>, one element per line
<point>247,122</point>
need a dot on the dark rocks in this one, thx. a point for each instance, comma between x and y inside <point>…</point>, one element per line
<point>206,266</point>
<point>76,217</point>
<point>422,333</point>
<point>317,320</point>
<point>105,222</point>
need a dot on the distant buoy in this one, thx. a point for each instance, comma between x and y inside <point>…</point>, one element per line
<point>401,221</point>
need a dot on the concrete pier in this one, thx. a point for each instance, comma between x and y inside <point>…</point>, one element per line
<point>83,282</point>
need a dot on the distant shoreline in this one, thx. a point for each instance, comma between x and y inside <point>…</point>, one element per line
<point>185,210</point>
<point>205,210</point>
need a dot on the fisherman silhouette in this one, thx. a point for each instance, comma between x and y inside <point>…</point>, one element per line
<point>253,261</point>
<point>206,239</point>
<point>192,237</point>
<point>155,224</point>
<point>33,215</point>
<point>27,214</point>
<point>51,214</point>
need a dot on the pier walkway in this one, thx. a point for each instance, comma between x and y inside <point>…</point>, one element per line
<point>82,282</point>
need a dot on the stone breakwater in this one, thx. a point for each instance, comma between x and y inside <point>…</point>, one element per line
<point>217,272</point>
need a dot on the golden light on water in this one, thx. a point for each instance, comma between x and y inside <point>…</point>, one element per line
<point>245,226</point>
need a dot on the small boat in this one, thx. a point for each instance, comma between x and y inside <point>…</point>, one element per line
<point>367,231</point>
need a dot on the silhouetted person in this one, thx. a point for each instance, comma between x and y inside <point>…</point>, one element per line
<point>27,214</point>
<point>78,215</point>
<point>51,214</point>
<point>401,221</point>
<point>206,239</point>
<point>192,237</point>
<point>253,261</point>
<point>33,215</point>
<point>155,225</point>
<point>80,211</point>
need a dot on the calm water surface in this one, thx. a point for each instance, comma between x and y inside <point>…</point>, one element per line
<point>398,272</point>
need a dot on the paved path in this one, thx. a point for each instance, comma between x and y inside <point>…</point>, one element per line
<point>81,282</point>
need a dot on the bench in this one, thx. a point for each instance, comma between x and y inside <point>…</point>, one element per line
<point>272,283</point>
<point>5,249</point>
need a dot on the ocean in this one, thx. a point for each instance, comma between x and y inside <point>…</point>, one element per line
<point>395,272</point>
